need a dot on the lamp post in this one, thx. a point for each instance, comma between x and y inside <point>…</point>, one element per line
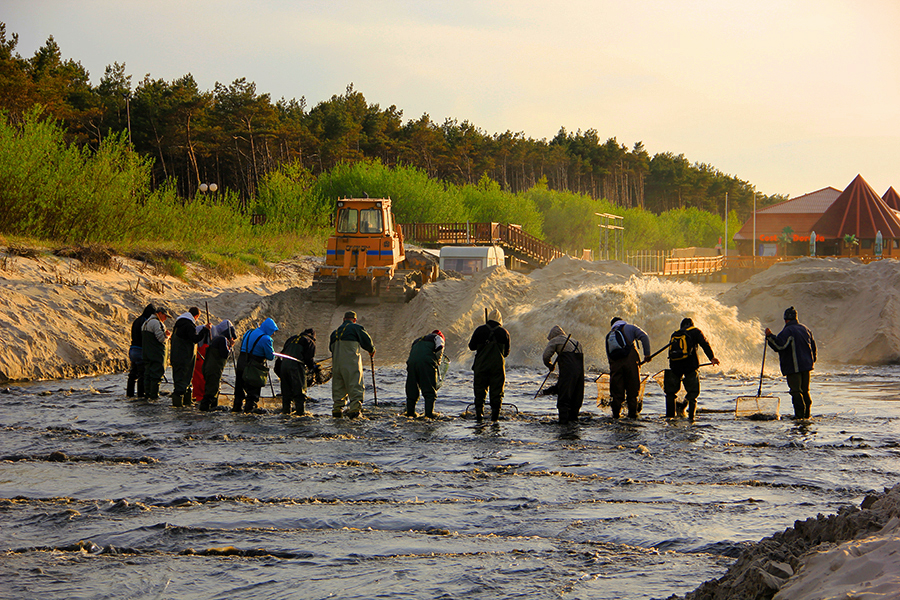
<point>754,224</point>
<point>211,187</point>
<point>127,97</point>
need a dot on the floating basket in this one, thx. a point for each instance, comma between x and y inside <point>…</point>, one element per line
<point>603,397</point>
<point>759,408</point>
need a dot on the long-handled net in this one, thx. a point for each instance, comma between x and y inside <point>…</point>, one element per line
<point>758,407</point>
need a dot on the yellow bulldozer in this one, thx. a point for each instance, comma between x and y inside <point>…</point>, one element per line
<point>365,259</point>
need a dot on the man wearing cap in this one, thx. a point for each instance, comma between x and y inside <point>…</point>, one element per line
<point>293,371</point>
<point>796,350</point>
<point>346,366</point>
<point>154,337</point>
<point>422,368</point>
<point>625,366</point>
<point>490,342</point>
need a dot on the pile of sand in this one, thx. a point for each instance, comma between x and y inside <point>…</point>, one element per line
<point>60,318</point>
<point>853,554</point>
<point>853,309</point>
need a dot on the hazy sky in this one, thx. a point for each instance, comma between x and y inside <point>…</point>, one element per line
<point>792,96</point>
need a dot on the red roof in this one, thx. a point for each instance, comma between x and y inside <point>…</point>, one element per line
<point>858,211</point>
<point>799,213</point>
<point>892,198</point>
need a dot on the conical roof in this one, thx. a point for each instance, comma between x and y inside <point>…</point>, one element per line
<point>858,211</point>
<point>892,198</point>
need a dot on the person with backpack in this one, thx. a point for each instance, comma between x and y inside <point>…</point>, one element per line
<point>625,366</point>
<point>292,371</point>
<point>423,372</point>
<point>490,342</point>
<point>796,349</point>
<point>252,369</point>
<point>570,385</point>
<point>683,367</point>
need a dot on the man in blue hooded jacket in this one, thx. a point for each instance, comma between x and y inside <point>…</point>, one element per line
<point>796,350</point>
<point>256,349</point>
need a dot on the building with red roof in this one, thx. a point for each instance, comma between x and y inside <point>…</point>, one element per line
<point>800,214</point>
<point>858,212</point>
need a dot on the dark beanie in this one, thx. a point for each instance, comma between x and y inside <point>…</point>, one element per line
<point>613,322</point>
<point>790,314</point>
<point>686,322</point>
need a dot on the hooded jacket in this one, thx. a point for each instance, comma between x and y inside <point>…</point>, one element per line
<point>557,344</point>
<point>260,340</point>
<point>136,336</point>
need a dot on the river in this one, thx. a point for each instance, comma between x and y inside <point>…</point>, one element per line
<point>112,497</point>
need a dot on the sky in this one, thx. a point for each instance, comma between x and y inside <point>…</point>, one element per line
<point>789,95</point>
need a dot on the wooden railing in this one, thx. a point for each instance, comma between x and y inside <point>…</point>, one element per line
<point>525,246</point>
<point>695,265</point>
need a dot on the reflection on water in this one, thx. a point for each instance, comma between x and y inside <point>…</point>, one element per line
<point>114,497</point>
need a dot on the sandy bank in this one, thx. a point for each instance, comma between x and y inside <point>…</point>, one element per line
<point>853,554</point>
<point>60,318</point>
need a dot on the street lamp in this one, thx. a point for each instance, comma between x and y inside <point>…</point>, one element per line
<point>211,187</point>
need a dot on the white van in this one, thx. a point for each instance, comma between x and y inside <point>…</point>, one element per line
<point>470,259</point>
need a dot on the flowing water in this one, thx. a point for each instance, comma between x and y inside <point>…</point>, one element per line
<point>112,497</point>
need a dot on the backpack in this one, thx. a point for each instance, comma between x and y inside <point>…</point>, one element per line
<point>679,346</point>
<point>617,347</point>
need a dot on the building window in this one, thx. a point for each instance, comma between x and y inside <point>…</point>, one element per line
<point>867,244</point>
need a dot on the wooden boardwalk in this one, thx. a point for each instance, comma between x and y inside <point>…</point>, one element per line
<point>511,238</point>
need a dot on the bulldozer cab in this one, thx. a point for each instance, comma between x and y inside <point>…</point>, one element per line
<point>365,240</point>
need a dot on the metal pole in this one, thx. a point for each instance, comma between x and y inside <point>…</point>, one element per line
<point>725,249</point>
<point>754,224</point>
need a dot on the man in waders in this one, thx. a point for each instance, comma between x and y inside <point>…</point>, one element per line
<point>796,350</point>
<point>570,386</point>
<point>346,366</point>
<point>625,366</point>
<point>183,352</point>
<point>490,342</point>
<point>136,355</point>
<point>683,366</point>
<point>154,337</point>
<point>293,373</point>
<point>214,363</point>
<point>422,372</point>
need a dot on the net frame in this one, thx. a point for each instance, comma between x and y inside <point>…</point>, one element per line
<point>604,399</point>
<point>766,407</point>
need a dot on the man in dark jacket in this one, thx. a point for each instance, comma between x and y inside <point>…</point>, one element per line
<point>625,366</point>
<point>570,386</point>
<point>422,372</point>
<point>135,354</point>
<point>683,366</point>
<point>346,366</point>
<point>153,341</point>
<point>490,342</point>
<point>183,352</point>
<point>256,350</point>
<point>223,336</point>
<point>293,371</point>
<point>796,350</point>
